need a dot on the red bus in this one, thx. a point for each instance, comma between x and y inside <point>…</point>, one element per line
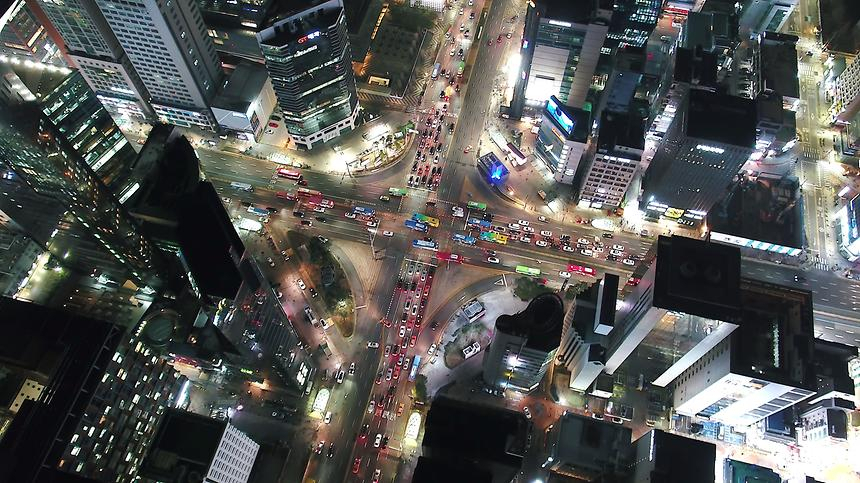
<point>287,195</point>
<point>318,200</point>
<point>306,193</point>
<point>289,173</point>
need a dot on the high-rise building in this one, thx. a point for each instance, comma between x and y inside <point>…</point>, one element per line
<point>308,57</point>
<point>188,443</point>
<point>563,139</point>
<point>710,138</point>
<point>524,345</point>
<point>94,48</point>
<point>761,368</point>
<point>59,139</point>
<point>167,43</point>
<point>620,144</point>
<point>561,46</point>
<point>589,449</point>
<point>90,397</point>
<point>22,34</point>
<point>662,457</point>
<point>18,256</point>
<point>632,21</point>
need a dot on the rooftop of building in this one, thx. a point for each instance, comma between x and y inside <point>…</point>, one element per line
<point>573,11</point>
<point>698,277</point>
<point>840,25</point>
<point>740,472</point>
<point>592,446</point>
<point>39,81</point>
<point>434,470</point>
<point>765,208</point>
<point>831,367</point>
<point>678,459</point>
<point>184,443</point>
<point>494,435</point>
<point>696,67</point>
<point>620,130</point>
<point>774,340</point>
<point>721,118</point>
<point>778,55</point>
<point>299,19</point>
<point>540,323</point>
<point>242,87</point>
<point>698,32</point>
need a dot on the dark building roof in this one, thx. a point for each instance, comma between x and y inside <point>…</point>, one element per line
<point>64,351</point>
<point>467,435</point>
<point>698,277</point>
<point>678,459</point>
<point>576,11</point>
<point>540,323</point>
<point>696,67</point>
<point>722,118</point>
<point>839,25</point>
<point>184,444</point>
<point>609,299</point>
<point>311,19</point>
<point>831,366</point>
<point>435,471</point>
<point>620,130</point>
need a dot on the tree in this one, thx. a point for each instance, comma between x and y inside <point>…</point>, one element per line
<point>527,288</point>
<point>420,389</point>
<point>574,290</point>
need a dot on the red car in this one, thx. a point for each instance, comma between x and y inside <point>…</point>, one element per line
<point>490,42</point>
<point>356,465</point>
<point>273,124</point>
<point>412,341</point>
<point>499,40</point>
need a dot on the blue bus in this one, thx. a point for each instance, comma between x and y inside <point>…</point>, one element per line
<point>414,371</point>
<point>425,245</point>
<point>478,222</point>
<point>361,210</point>
<point>416,225</point>
<point>258,211</point>
<point>464,239</point>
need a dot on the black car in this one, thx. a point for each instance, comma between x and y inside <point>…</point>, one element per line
<point>331,450</point>
<point>442,94</point>
<point>412,287</point>
<point>298,214</point>
<point>307,223</point>
<point>414,167</point>
<point>608,235</point>
<point>313,292</point>
<point>487,216</point>
<point>432,150</point>
<point>321,219</point>
<point>424,179</point>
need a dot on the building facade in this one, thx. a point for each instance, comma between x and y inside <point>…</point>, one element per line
<point>309,61</point>
<point>245,100</point>
<point>563,139</point>
<point>167,43</point>
<point>620,144</point>
<point>22,34</point>
<point>632,22</point>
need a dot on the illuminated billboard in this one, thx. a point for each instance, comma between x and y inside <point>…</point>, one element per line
<point>849,230</point>
<point>555,110</point>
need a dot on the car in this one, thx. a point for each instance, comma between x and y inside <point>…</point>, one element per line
<point>616,419</point>
<point>525,239</point>
<point>564,274</point>
<point>402,331</point>
<point>349,215</point>
<point>453,52</point>
<point>388,233</point>
<point>313,292</point>
<point>319,447</point>
<point>307,223</point>
<point>608,235</point>
<point>385,198</point>
<point>490,42</point>
<point>628,261</point>
<point>541,243</point>
<point>404,344</point>
<point>302,182</point>
<point>583,241</point>
<point>327,418</point>
<point>587,252</point>
<point>273,124</point>
<point>379,377</point>
<point>509,35</point>
<point>301,284</point>
<point>270,131</point>
<point>546,233</point>
<point>472,16</point>
<point>339,376</point>
<point>322,239</point>
<point>597,416</point>
<point>432,349</point>
<point>351,368</point>
<point>412,341</point>
<point>331,450</point>
<point>373,345</point>
<point>378,440</point>
<point>377,473</point>
<point>616,253</point>
<point>457,212</point>
<point>568,248</point>
<point>321,219</point>
<point>492,260</point>
<point>528,229</point>
<point>372,224</point>
<point>356,465</point>
<point>388,374</point>
<point>527,412</point>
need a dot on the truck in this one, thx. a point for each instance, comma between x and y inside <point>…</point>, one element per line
<point>425,245</point>
<point>241,186</point>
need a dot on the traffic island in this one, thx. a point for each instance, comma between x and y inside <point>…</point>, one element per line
<point>327,276</point>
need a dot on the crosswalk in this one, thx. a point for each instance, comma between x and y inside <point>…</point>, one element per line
<point>407,101</point>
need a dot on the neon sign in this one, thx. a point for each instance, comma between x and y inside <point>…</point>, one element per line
<point>554,109</point>
<point>309,36</point>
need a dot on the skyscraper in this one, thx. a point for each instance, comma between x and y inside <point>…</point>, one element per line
<point>563,139</point>
<point>710,138</point>
<point>95,49</point>
<point>632,22</point>
<point>524,345</point>
<point>620,143</point>
<point>308,57</point>
<point>22,33</point>
<point>167,43</point>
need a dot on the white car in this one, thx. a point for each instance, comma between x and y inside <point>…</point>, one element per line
<point>616,253</point>
<point>492,260</point>
<point>388,233</point>
<point>514,226</point>
<point>402,331</point>
<point>587,253</point>
<point>301,284</point>
<point>351,368</point>
<point>327,419</point>
<point>319,209</point>
<point>432,349</point>
<point>388,375</point>
<point>523,222</point>
<point>564,274</point>
<point>378,440</point>
<point>526,239</point>
<point>541,243</point>
<point>546,233</point>
<point>528,229</point>
<point>458,212</point>
<point>372,224</point>
<point>371,406</point>
<point>453,51</point>
<point>340,375</point>
<point>373,345</point>
<point>628,261</point>
<point>350,215</point>
<point>583,241</point>
<point>568,248</point>
<point>542,218</point>
<point>620,248</point>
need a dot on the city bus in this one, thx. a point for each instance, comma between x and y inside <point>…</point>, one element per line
<point>414,371</point>
<point>479,223</point>
<point>361,210</point>
<point>241,186</point>
<point>464,239</point>
<point>436,69</point>
<point>258,211</point>
<point>416,225</point>
<point>474,205</point>
<point>524,270</point>
<point>517,156</point>
<point>494,237</point>
<point>396,192</point>
<point>425,245</point>
<point>434,222</point>
<point>289,173</point>
<point>306,193</point>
